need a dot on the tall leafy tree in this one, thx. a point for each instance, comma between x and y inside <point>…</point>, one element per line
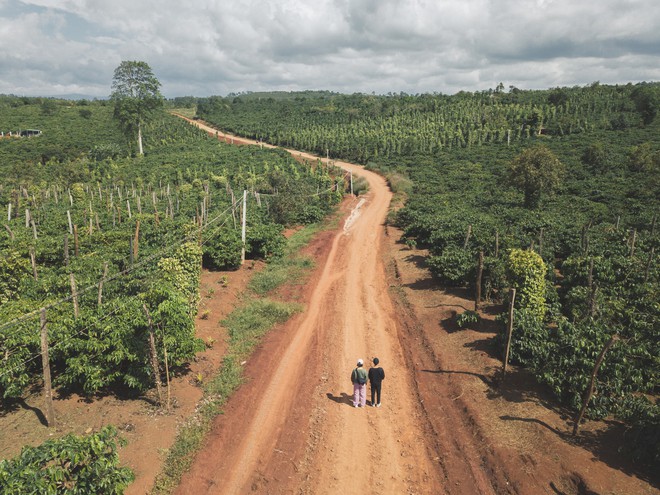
<point>536,171</point>
<point>136,96</point>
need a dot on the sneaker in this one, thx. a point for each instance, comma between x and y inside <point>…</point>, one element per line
<point>378,405</point>
<point>355,405</point>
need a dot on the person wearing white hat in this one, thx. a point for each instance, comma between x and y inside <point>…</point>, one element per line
<point>359,379</point>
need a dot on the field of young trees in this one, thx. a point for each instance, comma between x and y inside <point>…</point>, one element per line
<point>102,247</point>
<point>553,193</point>
<point>557,191</point>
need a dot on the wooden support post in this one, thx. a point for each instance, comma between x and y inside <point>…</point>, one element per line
<point>632,242</point>
<point>9,231</point>
<point>8,212</point>
<point>648,265</point>
<point>48,392</point>
<point>509,331</point>
<point>243,221</point>
<point>154,356</point>
<point>592,300</point>
<point>128,208</point>
<point>480,271</point>
<point>75,241</point>
<point>33,259</point>
<point>74,295</point>
<point>467,237</point>
<point>105,274</point>
<point>136,240</point>
<point>66,250</point>
<point>590,389</point>
<point>167,372</point>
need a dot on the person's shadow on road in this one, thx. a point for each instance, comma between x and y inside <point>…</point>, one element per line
<point>342,398</point>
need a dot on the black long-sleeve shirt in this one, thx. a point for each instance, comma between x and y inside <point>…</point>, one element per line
<point>376,375</point>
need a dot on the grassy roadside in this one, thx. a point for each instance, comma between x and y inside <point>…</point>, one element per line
<point>246,325</point>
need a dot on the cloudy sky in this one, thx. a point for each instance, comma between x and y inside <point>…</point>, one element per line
<point>216,47</point>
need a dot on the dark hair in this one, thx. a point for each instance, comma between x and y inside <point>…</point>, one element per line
<point>376,361</point>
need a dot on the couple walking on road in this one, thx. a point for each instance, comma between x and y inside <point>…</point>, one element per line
<point>359,378</point>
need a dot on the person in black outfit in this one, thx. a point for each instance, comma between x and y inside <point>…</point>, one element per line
<point>376,377</point>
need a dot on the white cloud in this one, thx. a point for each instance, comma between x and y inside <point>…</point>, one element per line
<point>214,47</point>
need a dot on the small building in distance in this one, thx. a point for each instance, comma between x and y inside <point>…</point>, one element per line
<point>23,133</point>
<point>30,132</point>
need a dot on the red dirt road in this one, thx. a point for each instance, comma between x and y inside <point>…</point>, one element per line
<point>350,450</point>
<point>444,426</point>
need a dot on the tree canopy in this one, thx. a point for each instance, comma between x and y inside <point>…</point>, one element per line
<point>136,95</point>
<point>536,170</point>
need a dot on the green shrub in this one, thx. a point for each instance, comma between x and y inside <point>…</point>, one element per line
<point>74,465</point>
<point>265,241</point>
<point>454,266</point>
<point>223,250</point>
<point>467,318</point>
<point>526,273</point>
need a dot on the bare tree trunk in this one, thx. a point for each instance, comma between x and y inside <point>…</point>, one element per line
<point>136,240</point>
<point>74,295</point>
<point>509,331</point>
<point>648,264</point>
<point>48,393</point>
<point>11,234</point>
<point>105,274</point>
<point>33,260</point>
<point>590,388</point>
<point>154,356</point>
<point>467,237</point>
<point>480,271</point>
